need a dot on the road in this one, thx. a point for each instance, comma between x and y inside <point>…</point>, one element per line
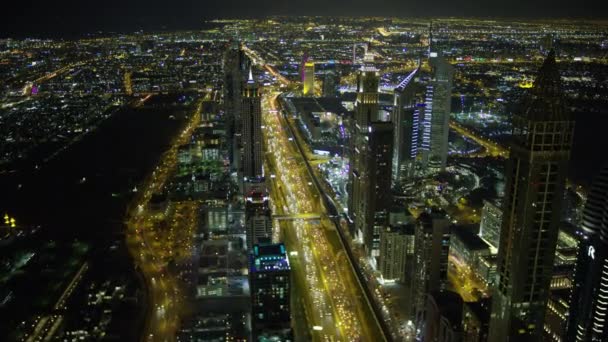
<point>335,302</point>
<point>492,148</point>
<point>156,241</point>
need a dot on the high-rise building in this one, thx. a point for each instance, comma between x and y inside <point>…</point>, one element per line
<point>432,246</point>
<point>491,221</point>
<point>270,283</point>
<point>309,79</point>
<point>331,81</point>
<point>374,184</point>
<point>396,252</point>
<point>443,317</point>
<point>406,121</point>
<point>234,64</point>
<point>258,220</point>
<point>536,173</point>
<point>251,114</point>
<point>366,111</point>
<point>436,122</point>
<point>589,302</point>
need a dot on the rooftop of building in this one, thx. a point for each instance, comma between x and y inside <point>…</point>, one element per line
<point>471,240</point>
<point>269,258</point>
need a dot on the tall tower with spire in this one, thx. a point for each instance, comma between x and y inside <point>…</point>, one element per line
<point>536,174</point>
<point>251,114</point>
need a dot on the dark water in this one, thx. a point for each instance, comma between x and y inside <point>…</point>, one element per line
<point>84,191</point>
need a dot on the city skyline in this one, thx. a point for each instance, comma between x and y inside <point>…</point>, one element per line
<point>305,178</point>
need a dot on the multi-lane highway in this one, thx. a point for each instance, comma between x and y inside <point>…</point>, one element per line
<point>335,303</point>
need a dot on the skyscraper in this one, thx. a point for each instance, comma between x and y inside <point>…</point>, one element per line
<point>366,110</point>
<point>536,172</point>
<point>443,317</point>
<point>406,121</point>
<point>234,65</point>
<point>436,123</point>
<point>251,114</point>
<point>589,303</point>
<point>491,222</point>
<point>396,252</point>
<point>432,246</point>
<point>258,220</point>
<point>331,81</point>
<point>270,282</point>
<point>374,184</point>
<point>309,79</point>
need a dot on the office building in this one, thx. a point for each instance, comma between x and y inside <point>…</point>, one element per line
<point>432,245</point>
<point>468,247</point>
<point>536,174</point>
<point>406,121</point>
<point>443,317</point>
<point>331,82</point>
<point>491,221</point>
<point>374,182</point>
<point>309,79</point>
<point>251,114</point>
<point>436,122</point>
<point>258,220</point>
<point>234,64</point>
<point>366,112</point>
<point>396,252</point>
<point>589,302</point>
<point>270,282</point>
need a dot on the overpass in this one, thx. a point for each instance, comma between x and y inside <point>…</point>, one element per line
<point>304,216</point>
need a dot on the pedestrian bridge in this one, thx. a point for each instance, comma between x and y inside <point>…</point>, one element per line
<point>306,216</point>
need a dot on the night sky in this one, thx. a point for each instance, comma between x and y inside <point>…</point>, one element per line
<point>38,17</point>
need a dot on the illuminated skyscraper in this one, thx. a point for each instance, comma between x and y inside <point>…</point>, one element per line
<point>331,81</point>
<point>234,64</point>
<point>491,222</point>
<point>270,282</point>
<point>406,121</point>
<point>536,174</point>
<point>258,220</point>
<point>366,110</point>
<point>309,79</point>
<point>432,246</point>
<point>588,320</point>
<point>371,165</point>
<point>436,122</point>
<point>251,114</point>
<point>396,252</point>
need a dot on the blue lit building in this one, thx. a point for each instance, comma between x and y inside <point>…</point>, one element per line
<point>406,120</point>
<point>270,283</point>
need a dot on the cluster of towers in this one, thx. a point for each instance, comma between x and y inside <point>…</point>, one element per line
<point>269,269</point>
<point>389,155</point>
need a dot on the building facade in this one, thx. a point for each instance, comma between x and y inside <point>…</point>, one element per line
<point>258,220</point>
<point>589,301</point>
<point>491,222</point>
<point>536,174</point>
<point>251,114</point>
<point>270,282</point>
<point>431,244</point>
<point>396,252</point>
<point>309,79</point>
<point>406,121</point>
<point>436,123</point>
